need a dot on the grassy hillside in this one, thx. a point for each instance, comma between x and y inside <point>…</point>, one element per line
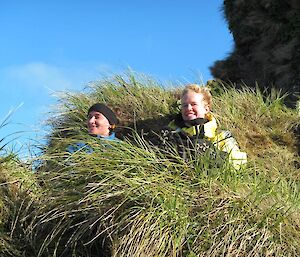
<point>132,199</point>
<point>18,193</point>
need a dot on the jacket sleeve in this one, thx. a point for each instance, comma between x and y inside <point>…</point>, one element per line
<point>225,142</point>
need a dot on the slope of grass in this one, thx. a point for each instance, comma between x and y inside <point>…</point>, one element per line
<point>138,203</point>
<point>263,126</point>
<point>132,199</point>
<point>18,191</point>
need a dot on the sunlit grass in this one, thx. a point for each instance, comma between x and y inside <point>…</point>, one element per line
<point>133,199</point>
<point>18,189</point>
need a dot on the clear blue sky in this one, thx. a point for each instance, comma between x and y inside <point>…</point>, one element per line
<point>61,45</point>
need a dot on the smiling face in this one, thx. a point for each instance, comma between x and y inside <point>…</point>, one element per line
<point>193,106</point>
<point>98,124</point>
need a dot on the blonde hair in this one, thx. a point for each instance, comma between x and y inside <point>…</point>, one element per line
<point>205,91</point>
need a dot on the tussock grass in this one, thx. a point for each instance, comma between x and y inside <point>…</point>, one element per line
<point>18,192</point>
<point>131,199</point>
<point>136,99</point>
<point>263,126</point>
<point>18,189</point>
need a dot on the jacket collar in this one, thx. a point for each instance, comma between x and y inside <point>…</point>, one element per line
<point>112,136</point>
<point>192,128</point>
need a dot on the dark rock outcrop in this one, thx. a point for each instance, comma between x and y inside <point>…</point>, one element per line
<point>267,45</point>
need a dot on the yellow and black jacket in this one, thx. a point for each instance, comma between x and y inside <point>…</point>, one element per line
<point>204,132</point>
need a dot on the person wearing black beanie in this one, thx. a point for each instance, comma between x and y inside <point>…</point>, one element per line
<point>101,121</point>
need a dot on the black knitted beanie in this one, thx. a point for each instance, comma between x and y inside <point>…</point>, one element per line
<point>106,111</point>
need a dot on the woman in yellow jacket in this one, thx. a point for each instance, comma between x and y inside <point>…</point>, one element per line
<point>197,122</point>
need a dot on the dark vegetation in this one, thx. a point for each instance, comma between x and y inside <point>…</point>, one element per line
<point>266,46</point>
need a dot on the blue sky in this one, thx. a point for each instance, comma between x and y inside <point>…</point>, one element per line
<point>61,45</point>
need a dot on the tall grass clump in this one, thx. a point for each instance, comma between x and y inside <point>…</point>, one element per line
<point>135,98</point>
<point>18,190</point>
<point>134,199</point>
<point>263,126</point>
